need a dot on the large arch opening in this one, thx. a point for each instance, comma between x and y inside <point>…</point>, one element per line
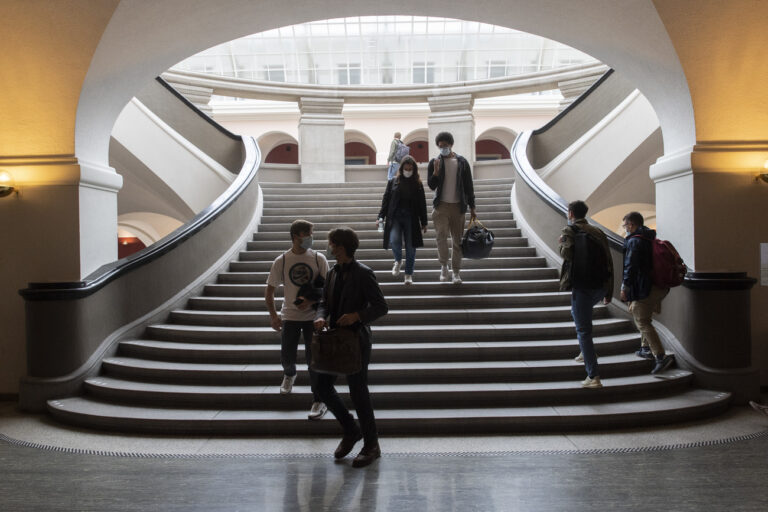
<point>628,35</point>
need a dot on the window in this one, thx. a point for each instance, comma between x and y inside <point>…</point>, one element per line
<point>275,73</point>
<point>423,72</point>
<point>496,68</point>
<point>349,74</point>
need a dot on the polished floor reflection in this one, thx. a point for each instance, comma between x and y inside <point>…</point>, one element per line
<point>728,476</point>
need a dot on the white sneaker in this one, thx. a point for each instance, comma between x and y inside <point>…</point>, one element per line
<point>444,274</point>
<point>287,384</point>
<point>396,268</point>
<point>579,358</point>
<point>591,383</point>
<point>317,411</point>
<point>408,279</point>
<point>456,278</point>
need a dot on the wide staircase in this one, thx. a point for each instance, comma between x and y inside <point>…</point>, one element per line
<point>492,355</point>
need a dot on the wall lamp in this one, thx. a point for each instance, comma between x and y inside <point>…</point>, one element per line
<point>763,175</point>
<point>7,185</point>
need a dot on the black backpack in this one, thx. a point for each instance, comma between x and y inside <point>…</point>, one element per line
<point>589,268</point>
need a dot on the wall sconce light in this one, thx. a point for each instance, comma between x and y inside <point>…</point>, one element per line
<point>7,185</point>
<point>763,175</point>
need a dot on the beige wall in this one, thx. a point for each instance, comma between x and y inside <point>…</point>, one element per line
<point>721,46</point>
<point>41,92</point>
<point>41,82</point>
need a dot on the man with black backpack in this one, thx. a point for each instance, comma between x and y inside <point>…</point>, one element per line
<point>588,274</point>
<point>641,292</point>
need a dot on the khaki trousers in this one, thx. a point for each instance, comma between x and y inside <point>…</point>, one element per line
<point>449,221</point>
<point>642,313</point>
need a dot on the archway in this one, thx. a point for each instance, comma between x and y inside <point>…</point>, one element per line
<point>418,141</point>
<point>173,29</point>
<point>359,148</point>
<point>278,148</point>
<point>495,141</point>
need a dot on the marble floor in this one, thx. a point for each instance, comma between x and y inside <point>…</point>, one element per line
<point>716,464</point>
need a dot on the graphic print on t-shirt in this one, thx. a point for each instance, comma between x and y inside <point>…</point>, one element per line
<point>300,274</point>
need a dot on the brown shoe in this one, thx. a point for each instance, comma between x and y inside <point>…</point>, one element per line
<point>346,444</point>
<point>366,456</point>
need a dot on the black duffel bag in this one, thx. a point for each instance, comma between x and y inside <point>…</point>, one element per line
<point>477,242</point>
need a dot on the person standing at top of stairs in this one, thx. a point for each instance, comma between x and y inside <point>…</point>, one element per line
<point>404,208</point>
<point>301,271</point>
<point>450,176</point>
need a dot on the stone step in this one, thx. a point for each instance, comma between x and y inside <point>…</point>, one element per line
<point>479,274</point>
<point>343,219</point>
<point>411,302</point>
<point>342,197</point>
<point>369,212</point>
<point>367,237</point>
<point>353,187</point>
<point>426,258</point>
<point>271,375</point>
<point>387,396</point>
<point>395,333</point>
<point>268,255</point>
<point>369,225</point>
<point>460,350</point>
<point>389,288</point>
<point>443,316</point>
<point>503,238</point>
<point>683,406</point>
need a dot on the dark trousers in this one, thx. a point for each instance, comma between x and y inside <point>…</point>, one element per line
<point>361,398</point>
<point>292,331</point>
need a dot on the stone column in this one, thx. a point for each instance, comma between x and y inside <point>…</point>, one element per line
<point>453,114</point>
<point>572,89</point>
<point>321,140</point>
<point>710,206</point>
<point>197,95</point>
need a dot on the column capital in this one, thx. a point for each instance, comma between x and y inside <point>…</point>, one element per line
<point>327,106</point>
<point>61,170</point>
<point>454,103</point>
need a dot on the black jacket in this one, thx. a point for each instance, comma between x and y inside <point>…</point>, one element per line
<point>464,185</point>
<point>361,294</point>
<point>389,204</point>
<point>638,263</point>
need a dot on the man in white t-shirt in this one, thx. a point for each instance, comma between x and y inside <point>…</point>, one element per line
<point>296,267</point>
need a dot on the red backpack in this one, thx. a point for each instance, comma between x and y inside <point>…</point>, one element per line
<point>668,267</point>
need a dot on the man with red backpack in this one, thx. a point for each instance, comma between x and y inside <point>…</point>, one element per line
<point>639,288</point>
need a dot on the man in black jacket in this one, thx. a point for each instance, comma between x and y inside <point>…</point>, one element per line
<point>638,290</point>
<point>351,298</point>
<point>450,176</point>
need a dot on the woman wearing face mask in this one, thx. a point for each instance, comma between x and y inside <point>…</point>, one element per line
<point>404,208</point>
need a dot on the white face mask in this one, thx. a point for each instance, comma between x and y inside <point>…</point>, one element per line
<point>445,151</point>
<point>306,242</point>
<point>407,174</point>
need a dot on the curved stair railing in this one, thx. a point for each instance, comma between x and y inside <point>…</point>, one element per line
<point>72,326</point>
<point>718,353</point>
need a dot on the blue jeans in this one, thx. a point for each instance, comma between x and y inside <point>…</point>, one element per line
<point>402,230</point>
<point>392,171</point>
<point>582,302</point>
<point>289,344</point>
